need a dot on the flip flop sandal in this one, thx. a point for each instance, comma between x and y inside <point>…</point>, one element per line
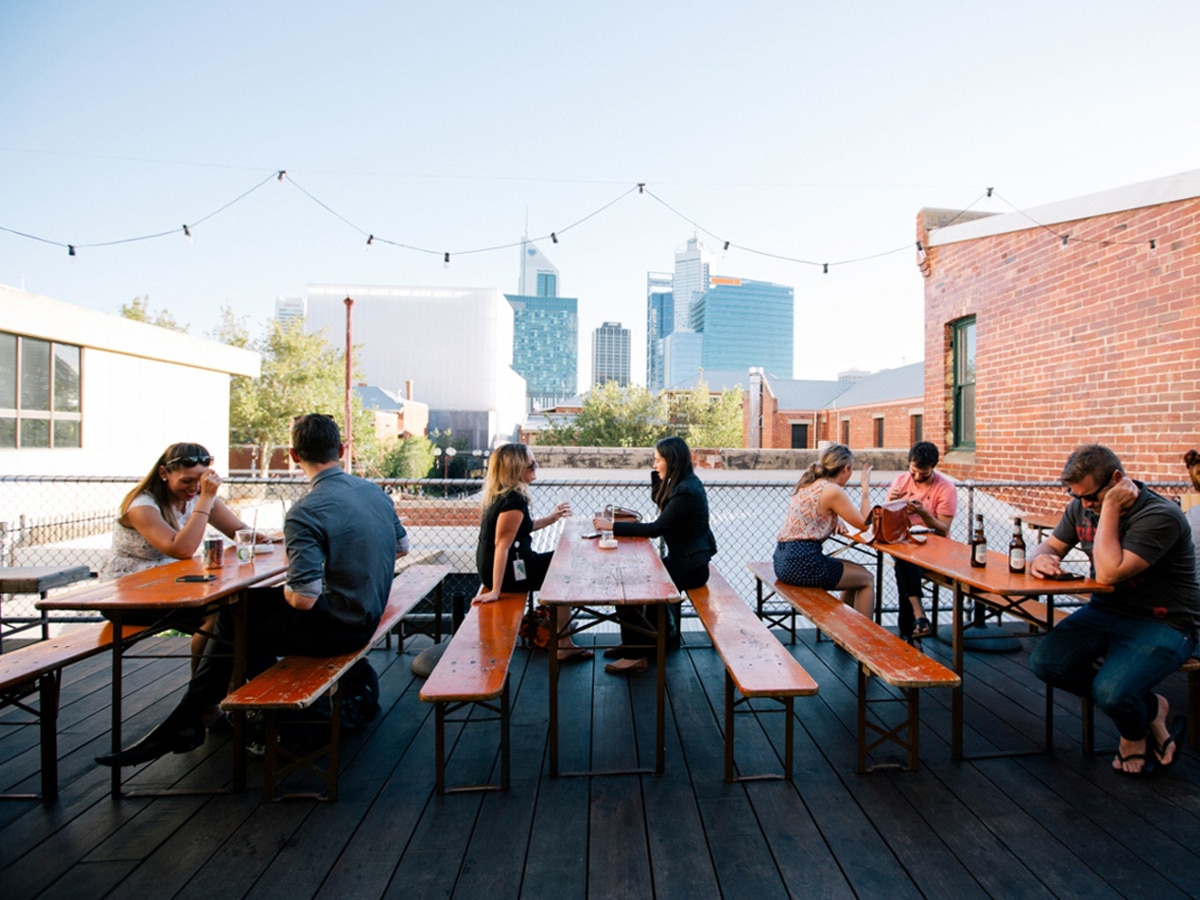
<point>922,628</point>
<point>1178,727</point>
<point>1149,764</point>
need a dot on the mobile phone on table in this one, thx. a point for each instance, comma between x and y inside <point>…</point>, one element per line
<point>1065,576</point>
<point>590,535</point>
<point>196,578</point>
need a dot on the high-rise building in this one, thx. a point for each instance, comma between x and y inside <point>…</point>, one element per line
<point>660,322</point>
<point>691,280</point>
<point>745,323</point>
<point>610,354</point>
<point>546,347</point>
<point>545,333</point>
<point>682,357</point>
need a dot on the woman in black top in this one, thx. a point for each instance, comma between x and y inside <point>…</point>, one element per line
<point>683,523</point>
<point>505,558</point>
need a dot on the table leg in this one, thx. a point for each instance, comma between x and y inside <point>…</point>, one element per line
<point>1049,689</point>
<point>553,654</point>
<point>956,693</point>
<point>118,651</point>
<point>241,619</point>
<point>660,722</point>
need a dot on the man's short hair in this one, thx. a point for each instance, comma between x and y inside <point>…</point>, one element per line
<point>924,454</point>
<point>1091,459</point>
<point>315,438</point>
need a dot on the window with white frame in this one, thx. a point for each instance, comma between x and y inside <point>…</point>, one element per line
<point>39,393</point>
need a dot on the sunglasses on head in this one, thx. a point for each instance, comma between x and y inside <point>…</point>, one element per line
<point>186,462</point>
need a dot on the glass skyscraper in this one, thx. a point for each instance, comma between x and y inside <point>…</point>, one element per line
<point>610,354</point>
<point>745,323</point>
<point>546,347</point>
<point>660,322</point>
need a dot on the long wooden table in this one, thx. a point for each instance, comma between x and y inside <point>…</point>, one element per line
<point>157,590</point>
<point>948,563</point>
<point>582,577</point>
<point>34,580</point>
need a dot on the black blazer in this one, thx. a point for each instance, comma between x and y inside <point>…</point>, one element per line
<point>682,523</point>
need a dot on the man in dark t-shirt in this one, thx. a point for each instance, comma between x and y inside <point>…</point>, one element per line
<point>1124,642</point>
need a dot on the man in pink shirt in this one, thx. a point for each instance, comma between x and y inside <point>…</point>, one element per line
<point>932,503</point>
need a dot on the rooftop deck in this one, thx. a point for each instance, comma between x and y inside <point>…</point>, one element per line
<point>1033,826</point>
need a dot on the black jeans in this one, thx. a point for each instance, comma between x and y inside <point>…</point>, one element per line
<point>908,584</point>
<point>639,635</point>
<point>274,629</point>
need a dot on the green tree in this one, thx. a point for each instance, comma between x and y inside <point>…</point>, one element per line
<point>410,457</point>
<point>613,416</point>
<point>139,310</point>
<point>301,373</point>
<point>707,421</point>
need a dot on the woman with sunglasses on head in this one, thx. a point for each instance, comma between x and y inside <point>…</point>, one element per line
<point>163,519</point>
<point>682,523</point>
<point>505,558</point>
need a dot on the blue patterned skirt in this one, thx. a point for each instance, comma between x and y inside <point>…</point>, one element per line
<point>802,563</point>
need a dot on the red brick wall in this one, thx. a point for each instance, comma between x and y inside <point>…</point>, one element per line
<point>1076,344</point>
<point>897,429</point>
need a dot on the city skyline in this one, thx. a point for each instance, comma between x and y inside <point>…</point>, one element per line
<point>806,138</point>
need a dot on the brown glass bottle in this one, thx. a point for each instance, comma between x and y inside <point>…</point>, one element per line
<point>978,544</point>
<point>1016,548</point>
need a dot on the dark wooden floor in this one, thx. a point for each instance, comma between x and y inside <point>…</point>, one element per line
<point>1033,826</point>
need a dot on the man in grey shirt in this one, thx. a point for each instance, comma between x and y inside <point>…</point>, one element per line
<point>342,541</point>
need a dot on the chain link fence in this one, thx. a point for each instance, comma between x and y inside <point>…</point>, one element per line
<point>65,521</point>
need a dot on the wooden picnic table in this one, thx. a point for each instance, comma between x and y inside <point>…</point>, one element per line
<point>581,577</point>
<point>158,590</point>
<point>948,563</point>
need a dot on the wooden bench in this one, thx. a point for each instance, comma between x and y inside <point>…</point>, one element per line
<point>38,667</point>
<point>755,662</point>
<point>878,652</point>
<point>297,682</point>
<point>473,671</point>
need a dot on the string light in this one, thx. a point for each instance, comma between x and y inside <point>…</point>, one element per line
<point>281,175</point>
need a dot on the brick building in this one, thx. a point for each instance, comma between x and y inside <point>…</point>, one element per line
<point>880,410</point>
<point>1075,322</point>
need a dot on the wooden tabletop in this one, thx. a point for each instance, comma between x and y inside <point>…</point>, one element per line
<point>157,588</point>
<point>581,573</point>
<point>952,560</point>
<point>35,579</point>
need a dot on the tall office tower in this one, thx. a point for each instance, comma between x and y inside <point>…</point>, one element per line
<point>539,277</point>
<point>287,309</point>
<point>610,354</point>
<point>745,323</point>
<point>691,280</point>
<point>660,322</point>
<point>546,347</point>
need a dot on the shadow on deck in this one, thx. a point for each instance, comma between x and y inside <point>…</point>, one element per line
<point>1033,826</point>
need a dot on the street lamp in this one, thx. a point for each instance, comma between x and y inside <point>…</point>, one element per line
<point>446,457</point>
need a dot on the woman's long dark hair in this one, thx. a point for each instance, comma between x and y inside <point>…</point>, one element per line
<point>678,457</point>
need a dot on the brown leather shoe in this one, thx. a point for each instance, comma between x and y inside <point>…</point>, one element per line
<point>627,666</point>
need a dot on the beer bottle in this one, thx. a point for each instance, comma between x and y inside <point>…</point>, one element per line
<point>1016,548</point>
<point>978,544</point>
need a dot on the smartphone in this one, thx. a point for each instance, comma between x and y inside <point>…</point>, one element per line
<point>590,535</point>
<point>196,578</point>
<point>919,529</point>
<point>1065,576</point>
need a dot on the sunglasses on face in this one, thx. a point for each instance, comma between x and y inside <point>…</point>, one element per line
<point>1087,498</point>
<point>533,465</point>
<point>186,462</point>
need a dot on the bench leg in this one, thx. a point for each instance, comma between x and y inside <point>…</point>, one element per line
<point>504,738</point>
<point>862,720</point>
<point>335,739</point>
<point>439,743</point>
<point>728,728</point>
<point>789,736</point>
<point>914,728</point>
<point>48,692</point>
<point>271,759</point>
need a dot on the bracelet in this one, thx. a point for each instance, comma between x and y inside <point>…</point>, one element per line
<point>202,512</point>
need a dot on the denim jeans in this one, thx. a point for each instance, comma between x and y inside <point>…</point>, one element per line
<point>1137,654</point>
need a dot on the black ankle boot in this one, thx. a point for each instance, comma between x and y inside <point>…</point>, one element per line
<point>166,738</point>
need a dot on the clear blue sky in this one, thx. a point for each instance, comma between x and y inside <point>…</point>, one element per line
<point>806,130</point>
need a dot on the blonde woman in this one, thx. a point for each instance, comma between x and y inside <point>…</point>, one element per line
<point>817,503</point>
<point>505,559</point>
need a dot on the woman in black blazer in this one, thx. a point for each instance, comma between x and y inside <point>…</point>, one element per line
<point>683,524</point>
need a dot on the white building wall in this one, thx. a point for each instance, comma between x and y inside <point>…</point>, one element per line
<point>455,344</point>
<point>141,388</point>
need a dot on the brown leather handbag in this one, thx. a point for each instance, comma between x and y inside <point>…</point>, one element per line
<point>889,522</point>
<point>620,514</point>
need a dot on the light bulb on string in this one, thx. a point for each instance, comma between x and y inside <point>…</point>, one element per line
<point>1065,238</point>
<point>70,249</point>
<point>187,233</point>
<point>446,260</point>
<point>370,241</point>
<point>554,237</point>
